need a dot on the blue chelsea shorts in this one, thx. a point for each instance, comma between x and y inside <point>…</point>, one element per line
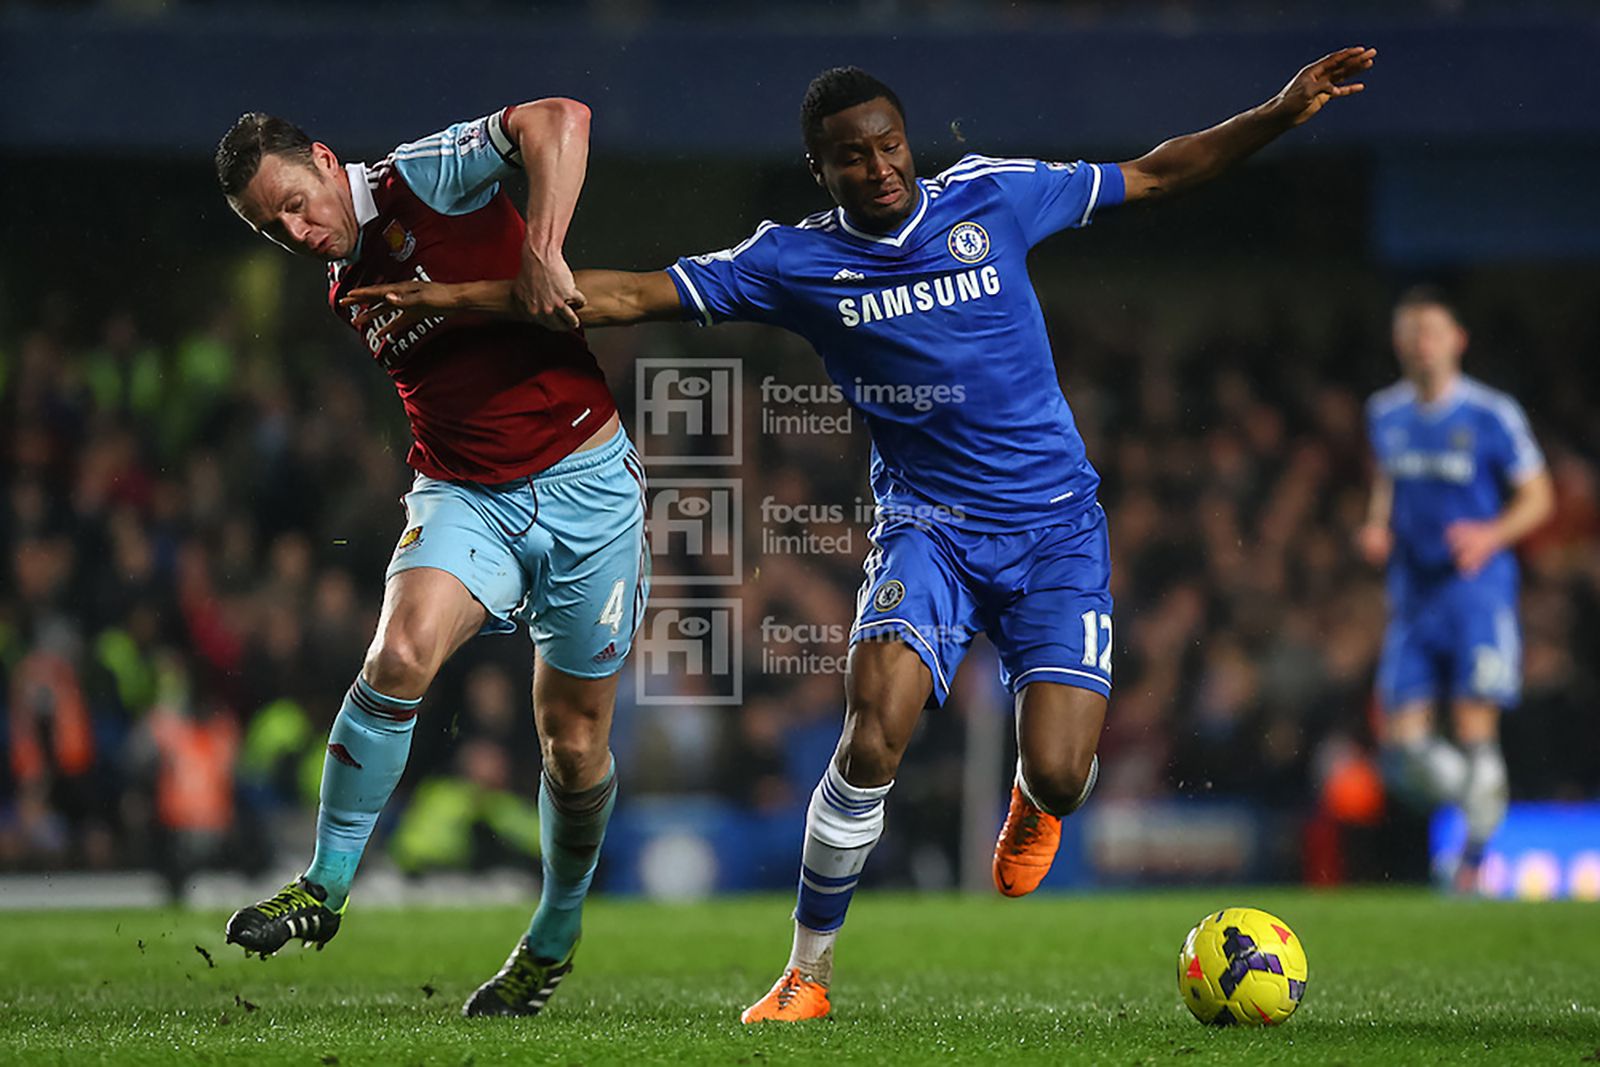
<point>1461,640</point>
<point>1042,596</point>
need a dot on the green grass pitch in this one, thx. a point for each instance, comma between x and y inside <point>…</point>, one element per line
<point>1397,977</point>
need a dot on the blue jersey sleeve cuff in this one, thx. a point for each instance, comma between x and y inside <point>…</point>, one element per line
<point>694,305</point>
<point>1106,188</point>
<point>1113,190</point>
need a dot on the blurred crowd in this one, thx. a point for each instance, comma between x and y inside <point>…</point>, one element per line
<point>195,524</point>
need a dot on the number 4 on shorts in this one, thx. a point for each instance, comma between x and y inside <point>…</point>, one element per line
<point>611,614</point>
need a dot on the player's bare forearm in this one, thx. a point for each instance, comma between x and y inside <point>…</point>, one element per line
<point>553,136</point>
<point>614,298</point>
<point>1530,506</point>
<point>1381,502</point>
<point>377,305</point>
<point>1474,542</point>
<point>622,298</point>
<point>439,298</point>
<point>1197,157</point>
<point>1374,540</point>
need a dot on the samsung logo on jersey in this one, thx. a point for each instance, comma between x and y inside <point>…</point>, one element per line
<point>1457,467</point>
<point>942,292</point>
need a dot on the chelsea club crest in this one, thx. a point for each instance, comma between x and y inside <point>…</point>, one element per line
<point>889,594</point>
<point>969,242</point>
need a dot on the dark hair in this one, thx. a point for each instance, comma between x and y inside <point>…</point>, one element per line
<point>833,91</point>
<point>1431,296</point>
<point>254,135</point>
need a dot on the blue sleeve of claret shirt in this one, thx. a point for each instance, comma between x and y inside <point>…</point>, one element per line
<point>458,169</point>
<point>1051,197</point>
<point>738,283</point>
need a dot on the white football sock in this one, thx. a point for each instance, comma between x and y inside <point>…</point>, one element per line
<point>1083,796</point>
<point>813,953</point>
<point>1486,793</point>
<point>1436,770</point>
<point>843,823</point>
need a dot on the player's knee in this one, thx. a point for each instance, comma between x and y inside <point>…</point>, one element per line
<point>568,757</point>
<point>869,754</point>
<point>573,740</point>
<point>1477,722</point>
<point>1061,779</point>
<point>399,665</point>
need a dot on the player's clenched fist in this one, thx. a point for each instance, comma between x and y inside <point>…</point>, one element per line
<point>545,292</point>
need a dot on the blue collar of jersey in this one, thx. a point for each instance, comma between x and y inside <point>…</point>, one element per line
<point>896,240</point>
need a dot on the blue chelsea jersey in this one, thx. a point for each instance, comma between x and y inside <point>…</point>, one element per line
<point>1457,458</point>
<point>934,333</point>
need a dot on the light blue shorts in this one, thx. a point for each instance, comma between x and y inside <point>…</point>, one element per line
<point>563,552</point>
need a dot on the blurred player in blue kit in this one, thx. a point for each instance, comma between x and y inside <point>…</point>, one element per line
<point>915,292</point>
<point>1459,481</point>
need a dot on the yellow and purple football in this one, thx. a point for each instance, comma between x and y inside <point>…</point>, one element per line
<point>1242,966</point>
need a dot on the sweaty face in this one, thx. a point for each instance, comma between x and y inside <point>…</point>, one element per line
<point>1428,340</point>
<point>862,159</point>
<point>306,209</point>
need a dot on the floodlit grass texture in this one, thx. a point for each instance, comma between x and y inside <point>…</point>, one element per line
<point>1396,977</point>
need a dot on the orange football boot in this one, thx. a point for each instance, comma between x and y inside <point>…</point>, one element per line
<point>792,998</point>
<point>1026,848</point>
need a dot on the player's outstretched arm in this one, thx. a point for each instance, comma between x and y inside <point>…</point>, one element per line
<point>612,298</point>
<point>393,308</point>
<point>1196,157</point>
<point>624,297</point>
<point>553,138</point>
